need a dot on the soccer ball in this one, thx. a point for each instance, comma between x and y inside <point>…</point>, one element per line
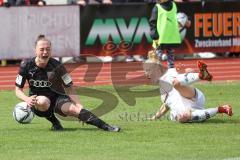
<point>182,19</point>
<point>22,113</point>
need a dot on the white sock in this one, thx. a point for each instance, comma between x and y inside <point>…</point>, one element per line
<point>187,78</point>
<point>202,115</point>
<point>212,111</point>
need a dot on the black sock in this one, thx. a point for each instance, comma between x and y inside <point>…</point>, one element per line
<point>53,120</point>
<point>170,58</point>
<point>159,54</point>
<point>89,118</point>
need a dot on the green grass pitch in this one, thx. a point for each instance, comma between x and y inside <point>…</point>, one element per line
<point>215,139</point>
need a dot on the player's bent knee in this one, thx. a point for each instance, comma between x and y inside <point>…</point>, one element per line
<point>71,110</point>
<point>43,103</point>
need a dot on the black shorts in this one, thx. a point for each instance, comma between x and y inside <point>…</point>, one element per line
<point>55,106</point>
<point>168,46</point>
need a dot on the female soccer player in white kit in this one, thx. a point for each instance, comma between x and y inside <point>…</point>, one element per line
<point>186,103</point>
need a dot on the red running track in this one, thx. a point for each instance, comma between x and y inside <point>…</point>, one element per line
<point>93,74</point>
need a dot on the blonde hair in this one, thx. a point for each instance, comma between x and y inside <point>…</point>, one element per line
<point>152,57</point>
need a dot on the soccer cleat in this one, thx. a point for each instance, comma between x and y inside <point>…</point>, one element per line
<point>203,72</point>
<point>57,127</point>
<point>111,128</point>
<point>227,109</point>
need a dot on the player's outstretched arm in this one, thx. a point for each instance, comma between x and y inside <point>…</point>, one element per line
<point>21,95</point>
<point>162,111</point>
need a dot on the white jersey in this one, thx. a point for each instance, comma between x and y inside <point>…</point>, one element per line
<point>177,103</point>
<point>166,80</point>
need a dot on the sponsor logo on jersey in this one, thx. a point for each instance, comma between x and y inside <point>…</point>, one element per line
<point>39,83</point>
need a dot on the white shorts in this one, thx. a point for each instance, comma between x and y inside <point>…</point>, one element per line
<point>180,105</point>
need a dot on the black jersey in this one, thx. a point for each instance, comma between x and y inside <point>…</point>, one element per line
<point>48,81</point>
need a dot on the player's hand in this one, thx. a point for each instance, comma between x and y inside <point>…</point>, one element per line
<point>107,2</point>
<point>183,118</point>
<point>152,118</point>
<point>31,101</point>
<point>81,2</point>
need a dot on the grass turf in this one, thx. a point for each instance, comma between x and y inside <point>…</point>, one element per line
<point>217,138</point>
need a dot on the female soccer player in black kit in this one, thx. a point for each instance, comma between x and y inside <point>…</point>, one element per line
<point>51,89</point>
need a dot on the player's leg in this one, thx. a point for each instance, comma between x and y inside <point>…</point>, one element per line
<point>159,52</point>
<point>44,108</point>
<point>66,107</point>
<point>180,110</point>
<point>170,57</point>
<point>180,81</point>
<point>186,103</point>
<point>185,91</point>
<point>171,79</point>
<point>202,115</point>
<point>169,52</point>
<point>89,118</point>
<point>189,78</point>
<point>42,103</point>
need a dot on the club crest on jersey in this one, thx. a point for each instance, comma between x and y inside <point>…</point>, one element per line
<point>19,79</point>
<point>66,78</point>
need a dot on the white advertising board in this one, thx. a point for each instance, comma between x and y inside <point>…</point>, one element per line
<point>20,27</point>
